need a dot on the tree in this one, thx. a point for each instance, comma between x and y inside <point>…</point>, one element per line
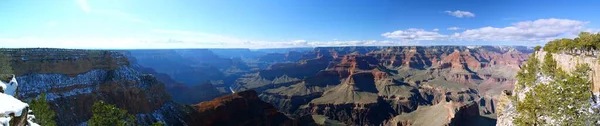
<point>5,67</point>
<point>537,48</point>
<point>158,124</point>
<point>585,42</point>
<point>564,100</point>
<point>109,115</point>
<point>43,114</point>
<point>574,93</point>
<point>549,65</point>
<point>527,74</point>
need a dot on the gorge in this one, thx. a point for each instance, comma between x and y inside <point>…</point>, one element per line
<point>325,85</point>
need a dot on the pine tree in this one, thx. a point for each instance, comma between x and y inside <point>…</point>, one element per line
<point>549,65</point>
<point>158,124</point>
<point>5,67</point>
<point>575,94</point>
<point>43,114</point>
<point>527,74</point>
<point>109,115</point>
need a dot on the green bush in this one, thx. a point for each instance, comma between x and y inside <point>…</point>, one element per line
<point>109,115</point>
<point>43,114</point>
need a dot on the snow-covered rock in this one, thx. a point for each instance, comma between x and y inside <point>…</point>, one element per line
<point>12,108</point>
<point>10,87</point>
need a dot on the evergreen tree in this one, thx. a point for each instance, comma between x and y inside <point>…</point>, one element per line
<point>574,93</point>
<point>158,124</point>
<point>527,74</point>
<point>537,48</point>
<point>586,43</point>
<point>109,115</point>
<point>43,114</point>
<point>5,67</point>
<point>549,65</point>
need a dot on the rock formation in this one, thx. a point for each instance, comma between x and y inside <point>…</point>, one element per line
<point>74,79</point>
<point>241,108</point>
<point>370,86</point>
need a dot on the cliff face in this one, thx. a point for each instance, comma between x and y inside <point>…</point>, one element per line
<point>370,85</point>
<point>569,62</point>
<point>241,108</point>
<point>75,79</point>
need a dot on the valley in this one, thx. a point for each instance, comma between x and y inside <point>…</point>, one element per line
<point>345,85</point>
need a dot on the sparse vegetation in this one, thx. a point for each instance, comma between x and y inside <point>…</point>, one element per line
<point>109,115</point>
<point>564,99</point>
<point>43,114</point>
<point>585,43</point>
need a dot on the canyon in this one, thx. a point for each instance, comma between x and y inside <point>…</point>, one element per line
<point>319,86</point>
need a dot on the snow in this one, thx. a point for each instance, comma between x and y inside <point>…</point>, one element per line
<point>11,87</point>
<point>232,91</point>
<point>10,105</point>
<point>32,123</point>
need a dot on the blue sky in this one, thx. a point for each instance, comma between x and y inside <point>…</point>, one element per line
<point>289,23</point>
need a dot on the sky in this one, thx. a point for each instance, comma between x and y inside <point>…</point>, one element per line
<point>133,24</point>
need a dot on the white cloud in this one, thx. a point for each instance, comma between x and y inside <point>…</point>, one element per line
<point>454,28</point>
<point>436,30</point>
<point>460,14</point>
<point>540,30</point>
<point>83,4</point>
<point>412,34</point>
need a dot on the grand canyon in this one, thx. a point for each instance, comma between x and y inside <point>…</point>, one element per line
<point>338,85</point>
<point>299,63</point>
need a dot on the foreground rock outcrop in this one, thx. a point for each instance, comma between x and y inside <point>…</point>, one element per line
<point>13,112</point>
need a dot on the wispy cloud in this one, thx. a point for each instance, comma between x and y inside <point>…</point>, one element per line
<point>84,5</point>
<point>193,36</point>
<point>460,14</point>
<point>413,34</point>
<point>541,30</point>
<point>454,28</point>
<point>170,43</point>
